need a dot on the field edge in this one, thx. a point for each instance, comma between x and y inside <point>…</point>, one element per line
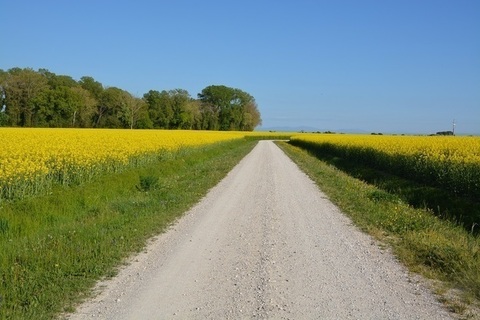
<point>377,213</point>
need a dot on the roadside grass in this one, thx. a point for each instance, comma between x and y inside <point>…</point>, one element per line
<point>438,249</point>
<point>459,208</point>
<point>55,247</point>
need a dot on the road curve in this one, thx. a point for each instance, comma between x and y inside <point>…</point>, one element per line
<point>265,243</point>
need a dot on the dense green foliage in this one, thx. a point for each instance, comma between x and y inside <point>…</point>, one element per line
<point>451,189</point>
<point>55,246</point>
<point>229,109</point>
<point>44,99</point>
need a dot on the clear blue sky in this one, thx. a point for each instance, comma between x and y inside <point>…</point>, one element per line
<point>380,66</point>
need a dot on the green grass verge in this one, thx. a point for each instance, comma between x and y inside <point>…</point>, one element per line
<point>433,247</point>
<point>419,189</point>
<point>55,247</point>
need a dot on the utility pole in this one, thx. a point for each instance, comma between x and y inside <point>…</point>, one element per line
<point>453,126</point>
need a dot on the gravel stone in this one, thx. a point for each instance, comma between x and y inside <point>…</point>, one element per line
<point>264,243</point>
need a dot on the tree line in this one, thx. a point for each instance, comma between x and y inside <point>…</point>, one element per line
<point>42,98</point>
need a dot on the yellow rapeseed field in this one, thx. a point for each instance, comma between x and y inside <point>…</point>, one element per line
<point>452,162</point>
<point>29,156</point>
<point>458,149</point>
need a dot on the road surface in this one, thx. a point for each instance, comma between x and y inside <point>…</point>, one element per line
<point>265,243</point>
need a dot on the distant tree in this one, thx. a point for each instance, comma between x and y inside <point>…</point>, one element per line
<point>173,109</point>
<point>3,119</point>
<point>112,109</point>
<point>251,117</point>
<point>159,108</point>
<point>208,116</point>
<point>144,121</point>
<point>3,78</point>
<point>216,101</point>
<point>55,81</point>
<point>444,133</point>
<point>64,106</point>
<point>193,109</point>
<point>44,99</point>
<point>135,110</point>
<point>233,109</point>
<point>94,87</point>
<point>182,113</point>
<point>85,109</point>
<point>3,114</point>
<point>54,107</point>
<point>21,87</point>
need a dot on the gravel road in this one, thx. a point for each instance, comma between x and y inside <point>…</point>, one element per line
<point>265,243</point>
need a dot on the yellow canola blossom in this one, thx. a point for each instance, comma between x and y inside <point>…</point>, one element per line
<point>29,154</point>
<point>445,148</point>
<point>452,162</point>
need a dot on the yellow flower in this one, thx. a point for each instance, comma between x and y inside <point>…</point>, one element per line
<point>31,154</point>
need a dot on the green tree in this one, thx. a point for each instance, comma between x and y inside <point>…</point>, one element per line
<point>3,119</point>
<point>21,87</point>
<point>160,108</point>
<point>193,111</point>
<point>3,114</point>
<point>43,98</point>
<point>111,109</point>
<point>85,110</point>
<point>53,108</point>
<point>63,106</point>
<point>228,108</point>
<point>182,117</point>
<point>94,87</point>
<point>3,78</point>
<point>209,116</point>
<point>251,117</point>
<point>135,111</point>
<point>55,81</point>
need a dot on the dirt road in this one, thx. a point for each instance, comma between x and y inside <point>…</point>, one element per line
<point>263,244</point>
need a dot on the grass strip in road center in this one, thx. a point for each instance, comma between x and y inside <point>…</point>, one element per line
<point>435,248</point>
<point>55,247</point>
